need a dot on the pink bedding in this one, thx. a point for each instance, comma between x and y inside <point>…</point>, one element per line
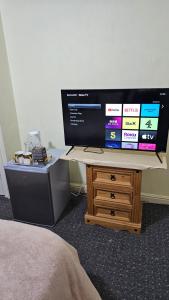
<point>36,264</point>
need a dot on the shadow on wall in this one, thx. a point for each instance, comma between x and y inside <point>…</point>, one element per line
<point>51,146</point>
<point>77,172</point>
<point>156,182</point>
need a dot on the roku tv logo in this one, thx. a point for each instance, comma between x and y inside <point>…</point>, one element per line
<point>130,135</point>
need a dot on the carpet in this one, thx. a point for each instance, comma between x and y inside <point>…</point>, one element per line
<point>121,265</point>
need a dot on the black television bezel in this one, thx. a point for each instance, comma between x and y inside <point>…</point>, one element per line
<point>81,91</point>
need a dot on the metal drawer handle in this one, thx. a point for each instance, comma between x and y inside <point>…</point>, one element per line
<point>112,212</point>
<point>113,196</point>
<point>113,178</point>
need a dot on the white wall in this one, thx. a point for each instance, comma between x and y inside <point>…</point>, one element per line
<point>8,117</point>
<point>82,44</point>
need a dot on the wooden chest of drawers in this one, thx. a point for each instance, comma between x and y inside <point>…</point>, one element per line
<point>114,198</point>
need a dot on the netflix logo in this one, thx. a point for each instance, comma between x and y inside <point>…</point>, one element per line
<point>131,110</point>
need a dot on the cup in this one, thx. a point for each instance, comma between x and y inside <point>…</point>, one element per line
<point>27,158</point>
<point>18,157</point>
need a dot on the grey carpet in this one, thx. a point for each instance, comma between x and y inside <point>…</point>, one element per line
<point>121,265</point>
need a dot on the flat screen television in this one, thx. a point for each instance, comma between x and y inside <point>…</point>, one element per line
<point>135,119</point>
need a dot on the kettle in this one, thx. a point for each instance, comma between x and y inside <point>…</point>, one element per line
<point>33,140</point>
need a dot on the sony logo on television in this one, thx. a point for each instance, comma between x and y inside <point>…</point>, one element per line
<point>71,95</point>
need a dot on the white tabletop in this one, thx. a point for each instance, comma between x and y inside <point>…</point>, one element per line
<point>55,153</point>
<point>116,158</point>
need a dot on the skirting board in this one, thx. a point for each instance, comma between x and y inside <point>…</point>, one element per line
<point>157,199</point>
<point>145,197</point>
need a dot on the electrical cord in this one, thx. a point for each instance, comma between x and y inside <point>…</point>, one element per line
<point>78,193</point>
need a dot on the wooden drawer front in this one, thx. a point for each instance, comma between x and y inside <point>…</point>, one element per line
<point>113,197</point>
<point>113,214</point>
<point>113,177</point>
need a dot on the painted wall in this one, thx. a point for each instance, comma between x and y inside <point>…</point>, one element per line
<point>83,44</point>
<point>8,118</point>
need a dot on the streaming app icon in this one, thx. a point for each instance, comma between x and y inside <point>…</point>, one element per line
<point>130,135</point>
<point>149,123</point>
<point>131,110</point>
<point>129,145</point>
<point>113,122</point>
<point>113,135</point>
<point>114,145</point>
<point>150,110</point>
<point>113,110</point>
<point>149,147</point>
<point>130,123</point>
<point>147,136</point>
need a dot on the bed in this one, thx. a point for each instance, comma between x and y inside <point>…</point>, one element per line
<point>37,264</point>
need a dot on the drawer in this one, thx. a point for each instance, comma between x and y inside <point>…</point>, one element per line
<point>113,177</point>
<point>114,197</point>
<point>113,214</point>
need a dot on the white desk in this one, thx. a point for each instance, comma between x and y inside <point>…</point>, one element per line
<point>116,158</point>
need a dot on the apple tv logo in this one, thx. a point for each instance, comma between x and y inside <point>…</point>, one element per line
<point>147,136</point>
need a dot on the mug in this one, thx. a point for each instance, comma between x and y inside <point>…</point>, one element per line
<point>27,158</point>
<point>18,157</point>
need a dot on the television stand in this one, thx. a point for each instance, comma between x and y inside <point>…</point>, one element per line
<point>114,198</point>
<point>157,154</point>
<point>114,186</point>
<point>69,150</point>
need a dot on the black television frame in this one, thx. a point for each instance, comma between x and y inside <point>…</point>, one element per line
<point>79,94</point>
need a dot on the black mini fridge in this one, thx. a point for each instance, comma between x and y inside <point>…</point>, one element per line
<point>39,194</point>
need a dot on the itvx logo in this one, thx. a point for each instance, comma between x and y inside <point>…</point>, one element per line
<point>130,123</point>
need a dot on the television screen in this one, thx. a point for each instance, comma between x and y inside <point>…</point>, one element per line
<point>136,119</point>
